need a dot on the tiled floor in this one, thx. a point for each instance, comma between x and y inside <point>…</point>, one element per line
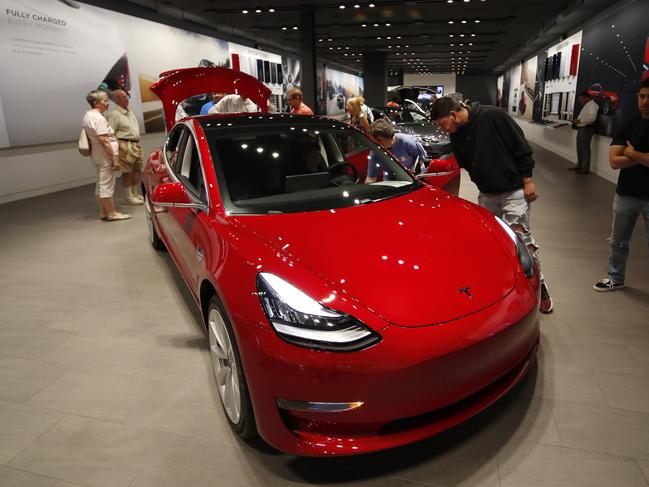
<point>105,377</point>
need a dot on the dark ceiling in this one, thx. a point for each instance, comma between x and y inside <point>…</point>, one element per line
<point>427,36</point>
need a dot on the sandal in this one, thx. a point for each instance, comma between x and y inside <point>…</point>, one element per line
<point>117,216</point>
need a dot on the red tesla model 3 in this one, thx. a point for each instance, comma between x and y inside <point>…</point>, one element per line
<point>342,317</point>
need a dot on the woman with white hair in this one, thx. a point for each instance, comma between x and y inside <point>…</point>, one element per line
<point>103,145</point>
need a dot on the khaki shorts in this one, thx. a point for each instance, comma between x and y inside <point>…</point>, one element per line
<point>130,156</point>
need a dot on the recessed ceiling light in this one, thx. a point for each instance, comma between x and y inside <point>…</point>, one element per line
<point>387,24</point>
<point>477,21</point>
<point>363,25</point>
<point>244,11</point>
<point>450,21</point>
<point>284,27</point>
<point>341,7</point>
<point>376,25</point>
<point>371,5</point>
<point>295,27</point>
<point>464,21</point>
<point>330,39</point>
<point>271,10</point>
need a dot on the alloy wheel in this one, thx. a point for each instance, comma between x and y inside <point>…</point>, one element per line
<point>224,365</point>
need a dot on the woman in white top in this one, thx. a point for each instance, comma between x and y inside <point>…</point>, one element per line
<point>103,145</point>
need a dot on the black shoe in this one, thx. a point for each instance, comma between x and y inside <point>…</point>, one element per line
<point>545,305</point>
<point>606,285</point>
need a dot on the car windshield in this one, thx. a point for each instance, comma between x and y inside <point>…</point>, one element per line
<point>301,166</point>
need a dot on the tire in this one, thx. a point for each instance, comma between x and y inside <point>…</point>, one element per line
<point>228,372</point>
<point>154,238</point>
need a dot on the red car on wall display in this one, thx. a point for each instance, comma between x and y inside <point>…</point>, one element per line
<point>609,101</point>
<point>342,317</point>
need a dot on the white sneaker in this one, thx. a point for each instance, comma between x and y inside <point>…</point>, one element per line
<point>133,200</point>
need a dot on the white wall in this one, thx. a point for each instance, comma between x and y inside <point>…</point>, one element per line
<point>563,141</point>
<point>448,80</point>
<point>41,169</point>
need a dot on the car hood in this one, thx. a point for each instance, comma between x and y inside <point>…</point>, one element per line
<point>415,260</point>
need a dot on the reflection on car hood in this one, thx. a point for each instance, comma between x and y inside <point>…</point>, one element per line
<point>406,259</point>
<point>426,132</point>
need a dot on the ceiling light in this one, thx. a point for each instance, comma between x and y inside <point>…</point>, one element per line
<point>376,25</point>
<point>295,27</point>
<point>284,27</point>
<point>341,7</point>
<point>450,21</point>
<point>363,25</point>
<point>330,39</point>
<point>357,5</point>
<point>271,10</point>
<point>477,21</point>
<point>464,21</point>
<point>371,5</point>
<point>258,11</point>
<point>387,24</point>
<point>244,11</point>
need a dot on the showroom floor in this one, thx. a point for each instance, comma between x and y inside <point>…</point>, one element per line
<point>105,377</point>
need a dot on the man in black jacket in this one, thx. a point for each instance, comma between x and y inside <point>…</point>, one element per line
<point>492,148</point>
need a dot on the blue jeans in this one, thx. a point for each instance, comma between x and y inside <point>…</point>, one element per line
<point>514,209</point>
<point>626,210</point>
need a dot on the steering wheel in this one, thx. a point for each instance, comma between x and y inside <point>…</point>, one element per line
<point>343,173</point>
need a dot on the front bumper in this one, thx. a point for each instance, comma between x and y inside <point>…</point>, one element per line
<point>413,384</point>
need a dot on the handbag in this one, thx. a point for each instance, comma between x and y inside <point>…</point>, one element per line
<point>84,143</point>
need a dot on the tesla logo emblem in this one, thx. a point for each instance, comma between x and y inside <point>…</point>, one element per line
<point>466,291</point>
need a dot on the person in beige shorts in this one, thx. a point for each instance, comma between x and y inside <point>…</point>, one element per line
<point>130,154</point>
<point>104,154</point>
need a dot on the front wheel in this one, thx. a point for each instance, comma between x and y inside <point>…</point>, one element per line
<point>228,372</point>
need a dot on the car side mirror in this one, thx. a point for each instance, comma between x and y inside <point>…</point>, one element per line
<point>174,195</point>
<point>438,166</point>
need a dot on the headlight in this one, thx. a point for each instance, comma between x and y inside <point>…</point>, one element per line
<point>301,320</point>
<point>524,256</point>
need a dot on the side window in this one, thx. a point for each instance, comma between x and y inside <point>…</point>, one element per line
<point>190,173</point>
<point>174,145</point>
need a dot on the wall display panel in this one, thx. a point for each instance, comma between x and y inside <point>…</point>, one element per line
<point>506,90</point>
<point>537,111</point>
<point>560,76</point>
<point>61,51</point>
<point>335,88</point>
<point>515,86</point>
<point>528,89</point>
<point>614,59</point>
<point>499,91</point>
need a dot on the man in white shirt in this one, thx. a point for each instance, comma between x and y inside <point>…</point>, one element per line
<point>585,125</point>
<point>234,104</point>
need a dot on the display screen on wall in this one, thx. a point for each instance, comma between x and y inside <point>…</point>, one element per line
<point>614,59</point>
